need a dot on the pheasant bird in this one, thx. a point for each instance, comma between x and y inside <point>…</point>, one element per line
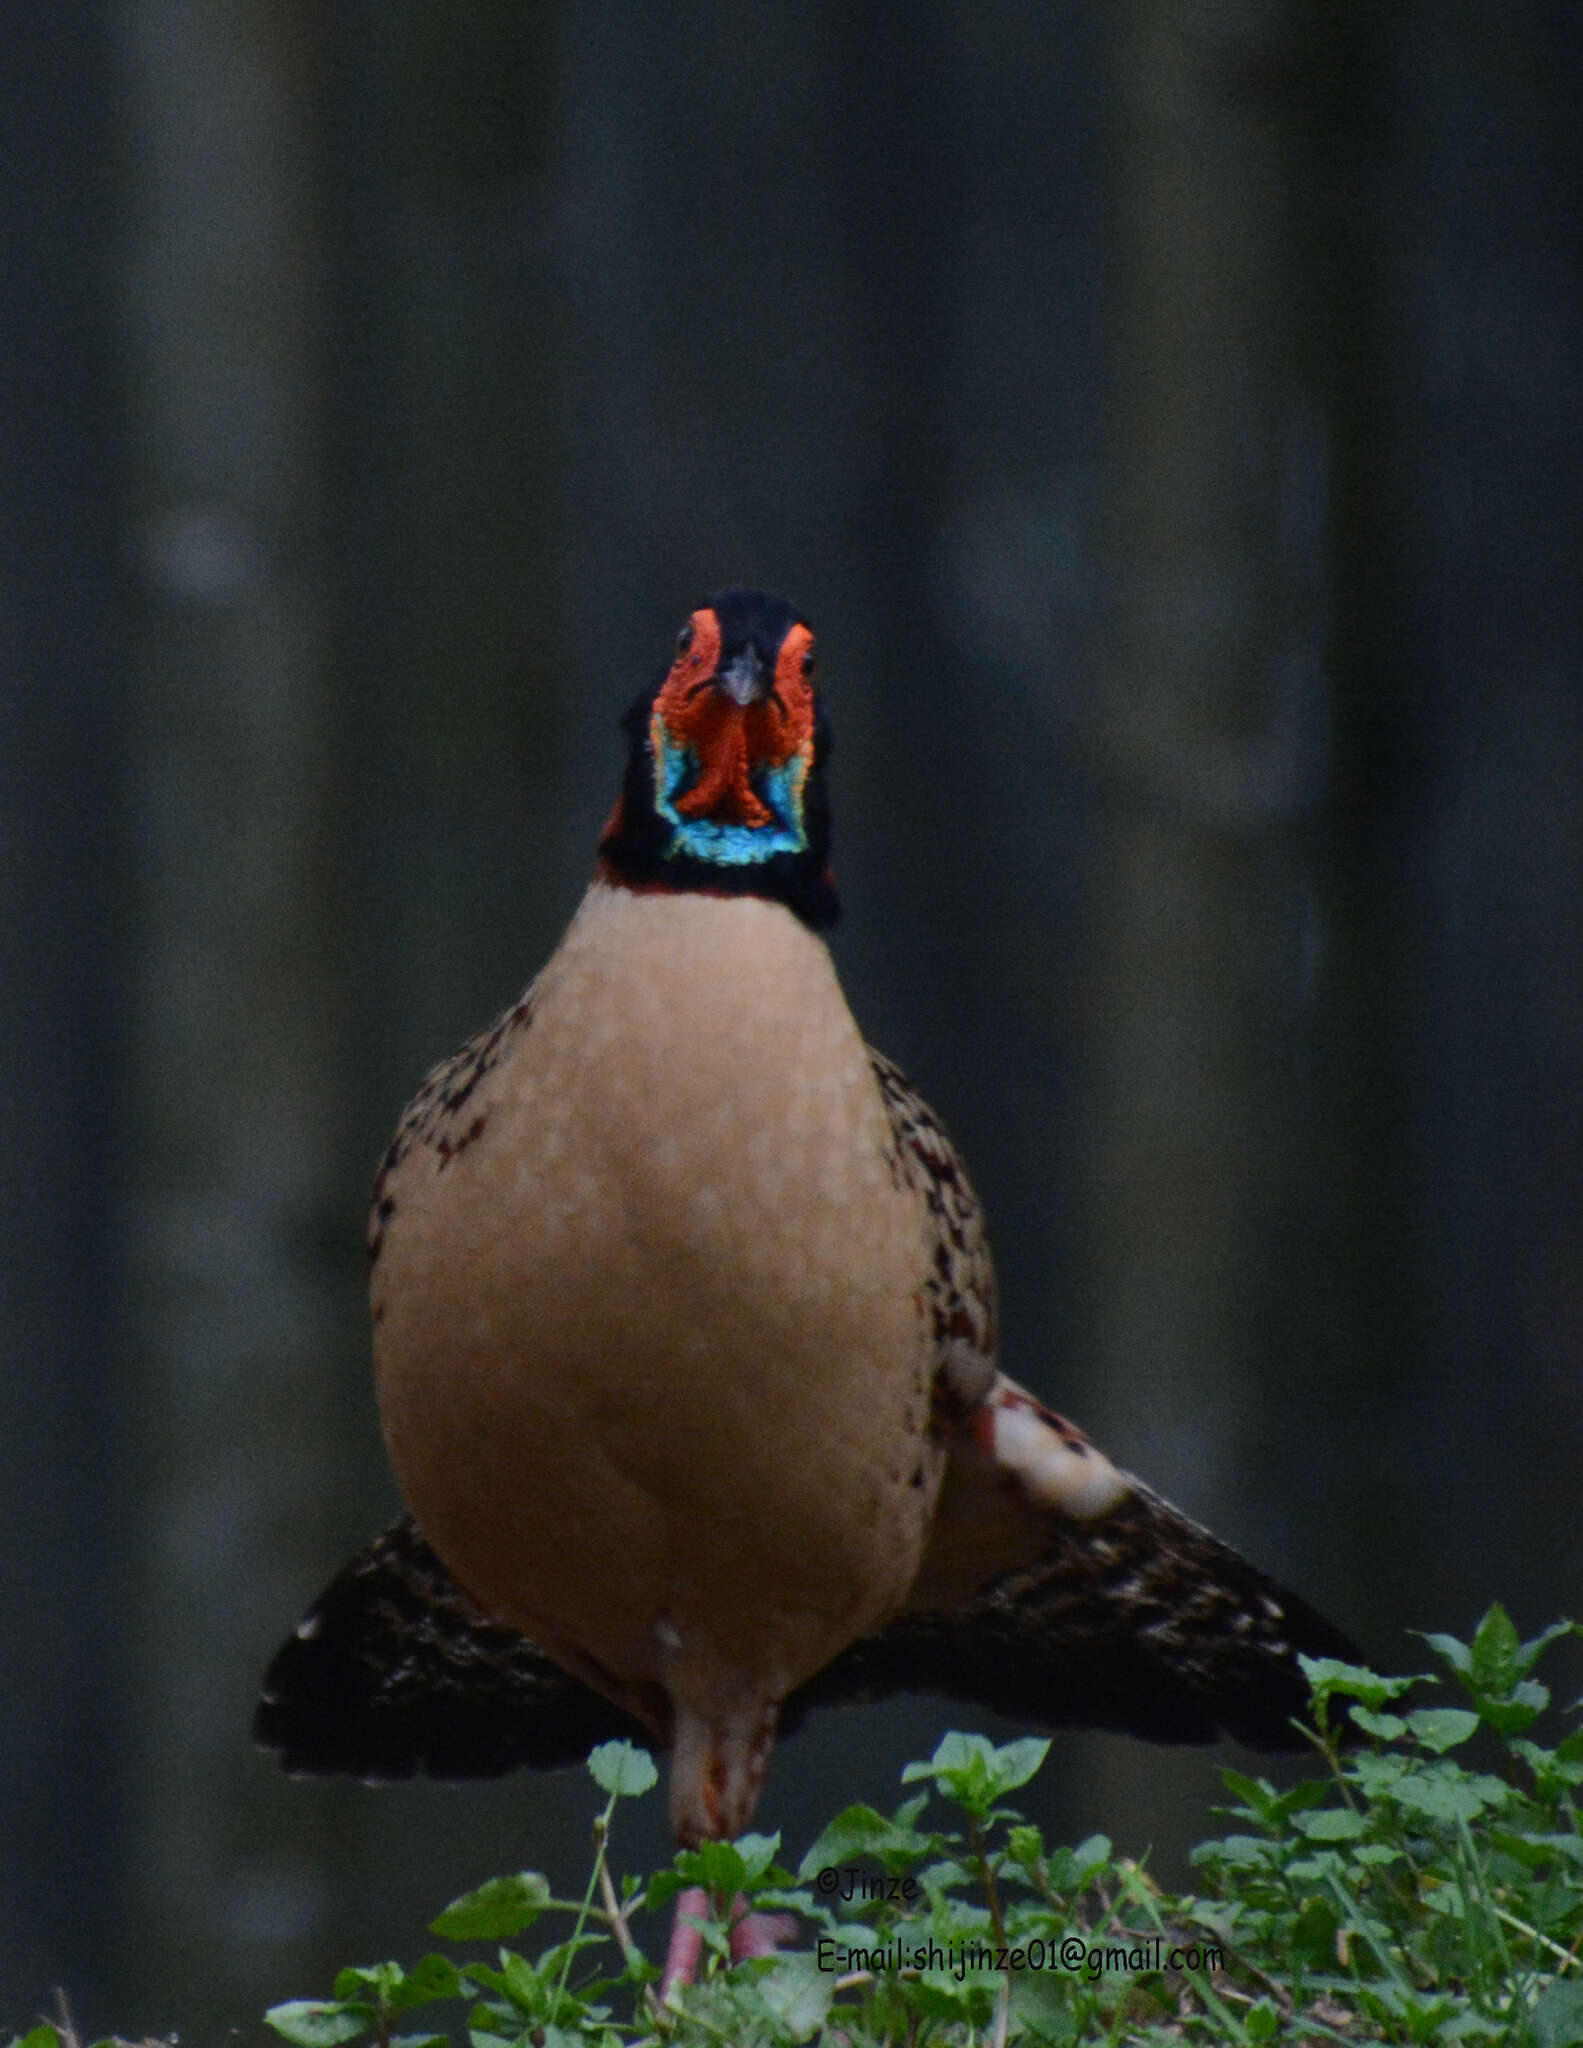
<point>684,1339</point>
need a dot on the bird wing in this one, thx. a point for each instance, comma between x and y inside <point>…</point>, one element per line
<point>1134,1619</point>
<point>394,1671</point>
<point>1119,1613</point>
<point>1057,1589</point>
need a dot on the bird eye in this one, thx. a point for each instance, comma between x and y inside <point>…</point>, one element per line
<point>809,664</point>
<point>684,639</point>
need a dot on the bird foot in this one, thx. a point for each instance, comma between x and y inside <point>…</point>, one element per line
<point>760,1934</point>
<point>752,1934</point>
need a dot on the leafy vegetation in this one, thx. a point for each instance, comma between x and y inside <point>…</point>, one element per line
<point>1406,1894</point>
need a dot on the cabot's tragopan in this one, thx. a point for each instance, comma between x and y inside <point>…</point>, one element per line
<point>684,1334</point>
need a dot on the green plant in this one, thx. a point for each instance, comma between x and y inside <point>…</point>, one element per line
<point>1427,1887</point>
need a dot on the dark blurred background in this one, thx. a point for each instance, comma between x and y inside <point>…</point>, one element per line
<point>1172,417</point>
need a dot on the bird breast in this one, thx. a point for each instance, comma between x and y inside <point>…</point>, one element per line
<point>672,1281</point>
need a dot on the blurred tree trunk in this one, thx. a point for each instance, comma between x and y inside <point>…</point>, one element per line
<point>466,852</point>
<point>1209,736</point>
<point>68,1492</point>
<point>1463,735</point>
<point>240,999</point>
<point>340,449</point>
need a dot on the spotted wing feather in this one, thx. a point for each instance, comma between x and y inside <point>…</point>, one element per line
<point>1137,1621</point>
<point>959,1284</point>
<point>1140,1622</point>
<point>442,1117</point>
<point>1058,1590</point>
<point>394,1671</point>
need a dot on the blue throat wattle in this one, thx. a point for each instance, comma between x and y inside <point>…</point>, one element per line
<point>728,841</point>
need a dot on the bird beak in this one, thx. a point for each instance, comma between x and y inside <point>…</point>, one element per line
<point>743,678</point>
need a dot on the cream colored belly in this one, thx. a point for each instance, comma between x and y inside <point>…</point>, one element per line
<point>650,1353</point>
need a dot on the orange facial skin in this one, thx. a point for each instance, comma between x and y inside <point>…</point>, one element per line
<point>731,740</point>
<point>724,792</point>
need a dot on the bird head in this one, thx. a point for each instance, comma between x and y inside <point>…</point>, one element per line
<point>724,789</point>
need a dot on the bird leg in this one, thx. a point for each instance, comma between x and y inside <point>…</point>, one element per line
<point>717,1768</point>
<point>758,1934</point>
<point>687,1940</point>
<point>752,1934</point>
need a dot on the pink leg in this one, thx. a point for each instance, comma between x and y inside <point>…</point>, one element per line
<point>758,1934</point>
<point>752,1934</point>
<point>687,1942</point>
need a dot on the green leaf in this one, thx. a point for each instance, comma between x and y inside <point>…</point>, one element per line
<point>959,1761</point>
<point>1376,1776</point>
<point>663,1886</point>
<point>1557,2019</point>
<point>1442,1792</point>
<point>1510,1712</point>
<point>1330,1674</point>
<point>1534,1851</point>
<point>1074,1870</point>
<point>1272,1809</point>
<point>377,1980</point>
<point>433,1977</point>
<point>798,1993</point>
<point>1496,1649</point>
<point>1388,1727</point>
<point>44,2036</point>
<point>1243,1852</point>
<point>385,1988</point>
<point>1478,2026</point>
<point>953,1752</point>
<point>504,1906</point>
<point>1313,1934</point>
<point>623,1770</point>
<point>860,1832</point>
<point>529,1990</point>
<point>1025,1846</point>
<point>1443,1728</point>
<point>939,1995</point>
<point>973,1772</point>
<point>1553,1768</point>
<point>717,1866</point>
<point>1498,1662</point>
<point>1255,1793</point>
<point>1332,1824</point>
<point>722,1868</point>
<point>317,2022</point>
<point>1530,1653</point>
<point>1016,1762</point>
<point>758,1856</point>
<point>1451,1650</point>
